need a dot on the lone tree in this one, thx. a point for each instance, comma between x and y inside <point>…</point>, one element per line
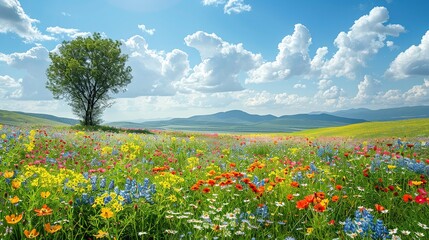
<point>85,72</point>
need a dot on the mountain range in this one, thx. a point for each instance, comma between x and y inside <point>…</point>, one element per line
<point>240,121</point>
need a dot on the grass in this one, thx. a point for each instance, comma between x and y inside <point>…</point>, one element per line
<point>16,119</point>
<point>401,128</point>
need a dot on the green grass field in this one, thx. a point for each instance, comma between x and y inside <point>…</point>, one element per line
<point>16,119</point>
<point>402,128</point>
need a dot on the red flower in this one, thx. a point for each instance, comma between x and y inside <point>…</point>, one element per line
<point>238,187</point>
<point>379,208</point>
<point>289,197</point>
<point>420,199</point>
<point>335,198</point>
<point>302,204</point>
<point>332,222</point>
<point>339,187</point>
<point>294,184</point>
<point>319,207</point>
<point>206,190</point>
<point>407,198</point>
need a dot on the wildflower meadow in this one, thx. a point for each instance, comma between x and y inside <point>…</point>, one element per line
<point>59,183</point>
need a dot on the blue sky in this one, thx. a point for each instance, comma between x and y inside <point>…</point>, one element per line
<point>203,56</point>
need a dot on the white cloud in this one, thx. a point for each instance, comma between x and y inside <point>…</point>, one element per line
<point>329,95</point>
<point>10,88</point>
<point>70,32</point>
<point>221,65</point>
<point>34,63</point>
<point>154,72</point>
<point>365,38</point>
<point>149,31</point>
<point>368,89</point>
<point>14,19</point>
<point>412,62</point>
<point>416,95</point>
<point>292,60</point>
<point>230,6</point>
<point>299,85</point>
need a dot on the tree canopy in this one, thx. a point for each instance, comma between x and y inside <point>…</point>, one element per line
<point>85,72</point>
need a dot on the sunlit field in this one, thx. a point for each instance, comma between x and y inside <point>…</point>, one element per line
<point>68,184</point>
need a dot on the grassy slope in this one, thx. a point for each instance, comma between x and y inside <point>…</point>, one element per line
<point>16,119</point>
<point>402,128</point>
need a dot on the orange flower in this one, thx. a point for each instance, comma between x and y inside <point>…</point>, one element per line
<point>309,198</point>
<point>8,174</point>
<point>44,211</point>
<point>302,204</point>
<point>206,190</point>
<point>320,195</point>
<point>14,200</point>
<point>106,213</point>
<point>379,208</point>
<point>335,198</point>
<point>289,196</point>
<point>13,219</point>
<point>238,187</point>
<point>45,194</point>
<point>195,187</point>
<point>339,187</point>
<point>211,182</point>
<point>16,184</point>
<point>294,184</point>
<point>31,234</point>
<point>407,198</point>
<point>319,207</point>
<point>101,234</point>
<point>53,228</point>
<point>246,180</point>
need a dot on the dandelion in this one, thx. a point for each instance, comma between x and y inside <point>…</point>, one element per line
<point>106,213</point>
<point>31,234</point>
<point>13,219</point>
<point>52,228</point>
<point>44,211</point>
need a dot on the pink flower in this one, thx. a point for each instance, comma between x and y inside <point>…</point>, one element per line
<point>420,199</point>
<point>422,192</point>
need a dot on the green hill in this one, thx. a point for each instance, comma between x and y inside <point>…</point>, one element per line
<point>17,119</point>
<point>401,128</point>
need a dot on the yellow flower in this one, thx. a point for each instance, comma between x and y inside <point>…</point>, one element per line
<point>14,200</point>
<point>31,234</point>
<point>309,230</point>
<point>106,213</point>
<point>3,136</point>
<point>417,183</point>
<point>172,198</point>
<point>101,234</point>
<point>8,174</point>
<point>13,219</point>
<point>52,229</point>
<point>45,194</point>
<point>310,175</point>
<point>391,166</point>
<point>16,184</point>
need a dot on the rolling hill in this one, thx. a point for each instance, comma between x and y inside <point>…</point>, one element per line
<point>388,114</point>
<point>417,127</point>
<point>19,119</point>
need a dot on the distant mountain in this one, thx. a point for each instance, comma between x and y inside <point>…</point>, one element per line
<point>239,121</point>
<point>388,114</point>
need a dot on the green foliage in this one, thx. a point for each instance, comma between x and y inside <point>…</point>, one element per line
<point>17,119</point>
<point>85,71</point>
<point>103,128</point>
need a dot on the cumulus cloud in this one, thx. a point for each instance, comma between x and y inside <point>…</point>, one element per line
<point>14,19</point>
<point>368,89</point>
<point>229,6</point>
<point>34,63</point>
<point>329,95</point>
<point>364,39</point>
<point>145,29</point>
<point>292,60</point>
<point>10,88</point>
<point>221,65</point>
<point>154,72</point>
<point>412,62</point>
<point>69,32</point>
<point>416,95</point>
